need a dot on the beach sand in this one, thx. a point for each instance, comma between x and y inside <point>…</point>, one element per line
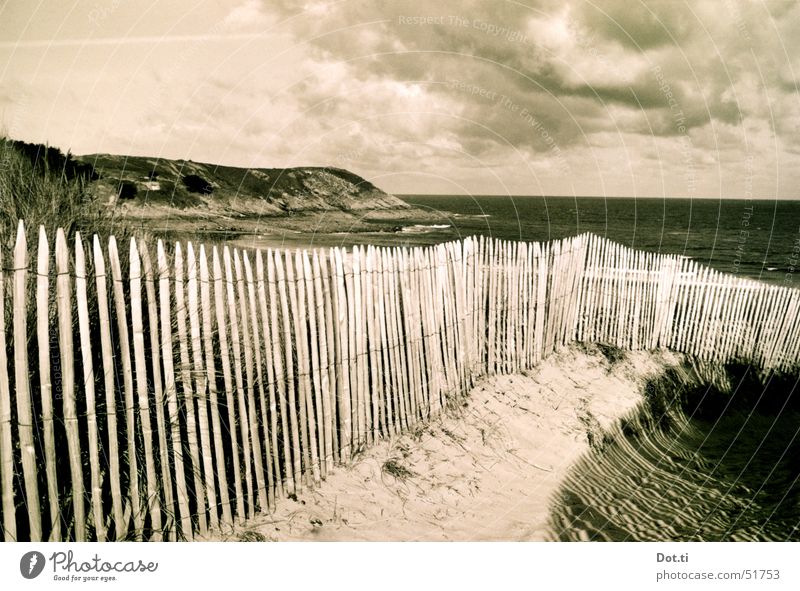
<point>486,472</point>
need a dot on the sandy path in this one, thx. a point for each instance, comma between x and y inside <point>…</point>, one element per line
<point>487,474</point>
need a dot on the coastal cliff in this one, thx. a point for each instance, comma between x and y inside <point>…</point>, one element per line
<point>136,183</point>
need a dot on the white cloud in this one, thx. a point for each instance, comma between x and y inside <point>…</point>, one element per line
<point>247,16</point>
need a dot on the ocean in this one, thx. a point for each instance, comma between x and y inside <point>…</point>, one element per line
<point>759,239</point>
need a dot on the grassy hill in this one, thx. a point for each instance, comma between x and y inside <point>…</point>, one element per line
<point>139,183</point>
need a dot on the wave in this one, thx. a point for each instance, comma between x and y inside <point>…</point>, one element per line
<point>423,228</point>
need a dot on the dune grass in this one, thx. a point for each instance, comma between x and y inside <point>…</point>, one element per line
<point>40,194</point>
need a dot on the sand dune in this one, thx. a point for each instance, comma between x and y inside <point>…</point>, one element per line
<point>484,473</point>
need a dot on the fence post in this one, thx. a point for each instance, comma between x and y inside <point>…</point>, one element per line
<point>45,383</point>
<point>142,386</point>
<point>68,384</point>
<point>158,389</point>
<point>89,389</point>
<point>267,499</point>
<point>170,392</point>
<point>325,317</point>
<point>269,329</point>
<point>254,444</point>
<point>270,426</point>
<point>297,297</point>
<point>127,376</point>
<point>211,377</point>
<point>288,366</point>
<point>188,392</point>
<point>22,386</point>
<point>201,387</point>
<point>104,319</point>
<point>6,445</point>
<point>314,336</point>
<point>280,373</point>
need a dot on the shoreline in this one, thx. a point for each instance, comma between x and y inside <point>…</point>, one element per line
<point>479,474</point>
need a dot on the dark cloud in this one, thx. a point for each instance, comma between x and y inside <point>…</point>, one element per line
<point>639,25</point>
<point>505,49</point>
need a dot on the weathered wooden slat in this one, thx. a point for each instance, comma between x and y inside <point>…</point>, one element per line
<point>450,347</point>
<point>293,284</point>
<point>668,330</point>
<point>158,391</point>
<point>288,365</point>
<point>727,316</point>
<point>201,387</point>
<point>701,311</point>
<point>46,388</point>
<point>112,429</point>
<point>170,393</point>
<point>408,401</point>
<point>689,293</point>
<point>553,285</point>
<point>387,377</point>
<point>269,330</point>
<point>618,303</point>
<point>127,377</point>
<point>354,422</point>
<point>710,305</point>
<point>530,308</point>
<point>64,305</point>
<point>787,310</point>
<point>376,392</point>
<point>84,329</point>
<point>280,377</point>
<point>316,370</point>
<point>22,386</point>
<point>422,305</point>
<point>252,411</point>
<point>434,330</point>
<point>737,329</point>
<point>142,385</point>
<point>244,420</point>
<point>591,290</point>
<point>576,298</point>
<point>764,307</point>
<point>206,306</point>
<point>792,343</point>
<point>338,289</point>
<point>187,387</point>
<point>223,330</point>
<point>325,319</point>
<point>297,297</point>
<point>776,323</point>
<point>359,335</point>
<point>6,442</point>
<point>541,296</point>
<point>623,314</point>
<point>267,500</point>
<point>491,308</point>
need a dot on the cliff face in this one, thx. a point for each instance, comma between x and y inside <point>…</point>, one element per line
<point>139,183</point>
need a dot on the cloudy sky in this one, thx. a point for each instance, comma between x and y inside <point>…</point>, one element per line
<point>563,97</point>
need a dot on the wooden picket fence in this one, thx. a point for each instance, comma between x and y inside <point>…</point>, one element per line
<point>191,388</point>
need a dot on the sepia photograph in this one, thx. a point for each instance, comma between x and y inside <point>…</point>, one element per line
<point>398,271</point>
